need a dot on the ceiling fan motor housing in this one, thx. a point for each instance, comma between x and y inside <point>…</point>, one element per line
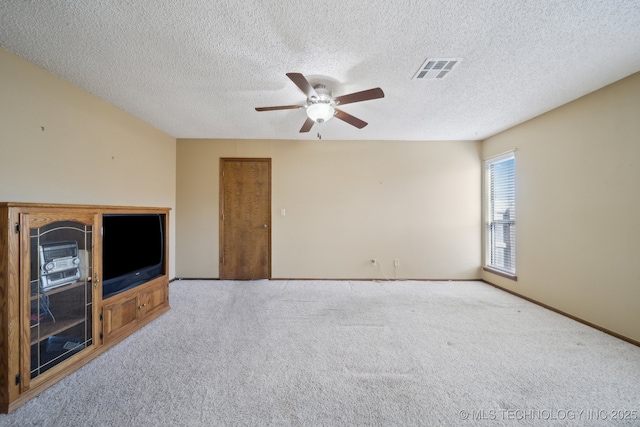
<point>321,108</point>
<point>322,91</point>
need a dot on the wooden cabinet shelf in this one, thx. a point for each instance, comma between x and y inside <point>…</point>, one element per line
<point>53,317</point>
<point>58,289</point>
<point>49,329</point>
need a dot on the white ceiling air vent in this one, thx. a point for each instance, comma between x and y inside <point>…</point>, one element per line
<point>436,68</point>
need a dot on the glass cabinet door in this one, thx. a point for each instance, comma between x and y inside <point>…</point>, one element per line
<point>61,300</point>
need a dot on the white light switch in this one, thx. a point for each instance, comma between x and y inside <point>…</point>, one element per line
<point>283,212</point>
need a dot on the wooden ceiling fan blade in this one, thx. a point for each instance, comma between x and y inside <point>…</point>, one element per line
<point>365,95</point>
<point>353,121</point>
<point>281,107</point>
<point>304,85</point>
<point>306,127</point>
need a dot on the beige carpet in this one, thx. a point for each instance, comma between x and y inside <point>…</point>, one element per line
<point>310,353</point>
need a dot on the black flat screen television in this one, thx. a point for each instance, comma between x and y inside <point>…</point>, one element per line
<point>132,250</point>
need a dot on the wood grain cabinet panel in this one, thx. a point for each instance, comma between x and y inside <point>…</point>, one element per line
<point>124,313</point>
<point>120,316</point>
<point>153,299</point>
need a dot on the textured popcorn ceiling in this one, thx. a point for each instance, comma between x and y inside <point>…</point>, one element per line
<point>197,68</point>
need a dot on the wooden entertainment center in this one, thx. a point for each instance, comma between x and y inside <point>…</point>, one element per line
<point>54,313</point>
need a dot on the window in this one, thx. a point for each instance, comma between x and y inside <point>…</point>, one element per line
<point>500,214</point>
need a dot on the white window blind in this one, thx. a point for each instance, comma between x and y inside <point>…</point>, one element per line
<point>500,213</point>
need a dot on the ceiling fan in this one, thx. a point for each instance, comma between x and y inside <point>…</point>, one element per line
<point>321,105</point>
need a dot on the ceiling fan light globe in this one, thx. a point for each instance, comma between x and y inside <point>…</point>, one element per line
<point>320,112</point>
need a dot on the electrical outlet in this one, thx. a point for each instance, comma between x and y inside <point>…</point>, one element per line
<point>396,262</point>
<point>374,262</point>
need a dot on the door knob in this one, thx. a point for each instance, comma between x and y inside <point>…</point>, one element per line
<point>264,225</point>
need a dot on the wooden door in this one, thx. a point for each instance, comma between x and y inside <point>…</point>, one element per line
<point>245,219</point>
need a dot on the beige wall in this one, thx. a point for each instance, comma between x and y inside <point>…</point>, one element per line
<point>346,202</point>
<point>89,152</point>
<point>578,207</point>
